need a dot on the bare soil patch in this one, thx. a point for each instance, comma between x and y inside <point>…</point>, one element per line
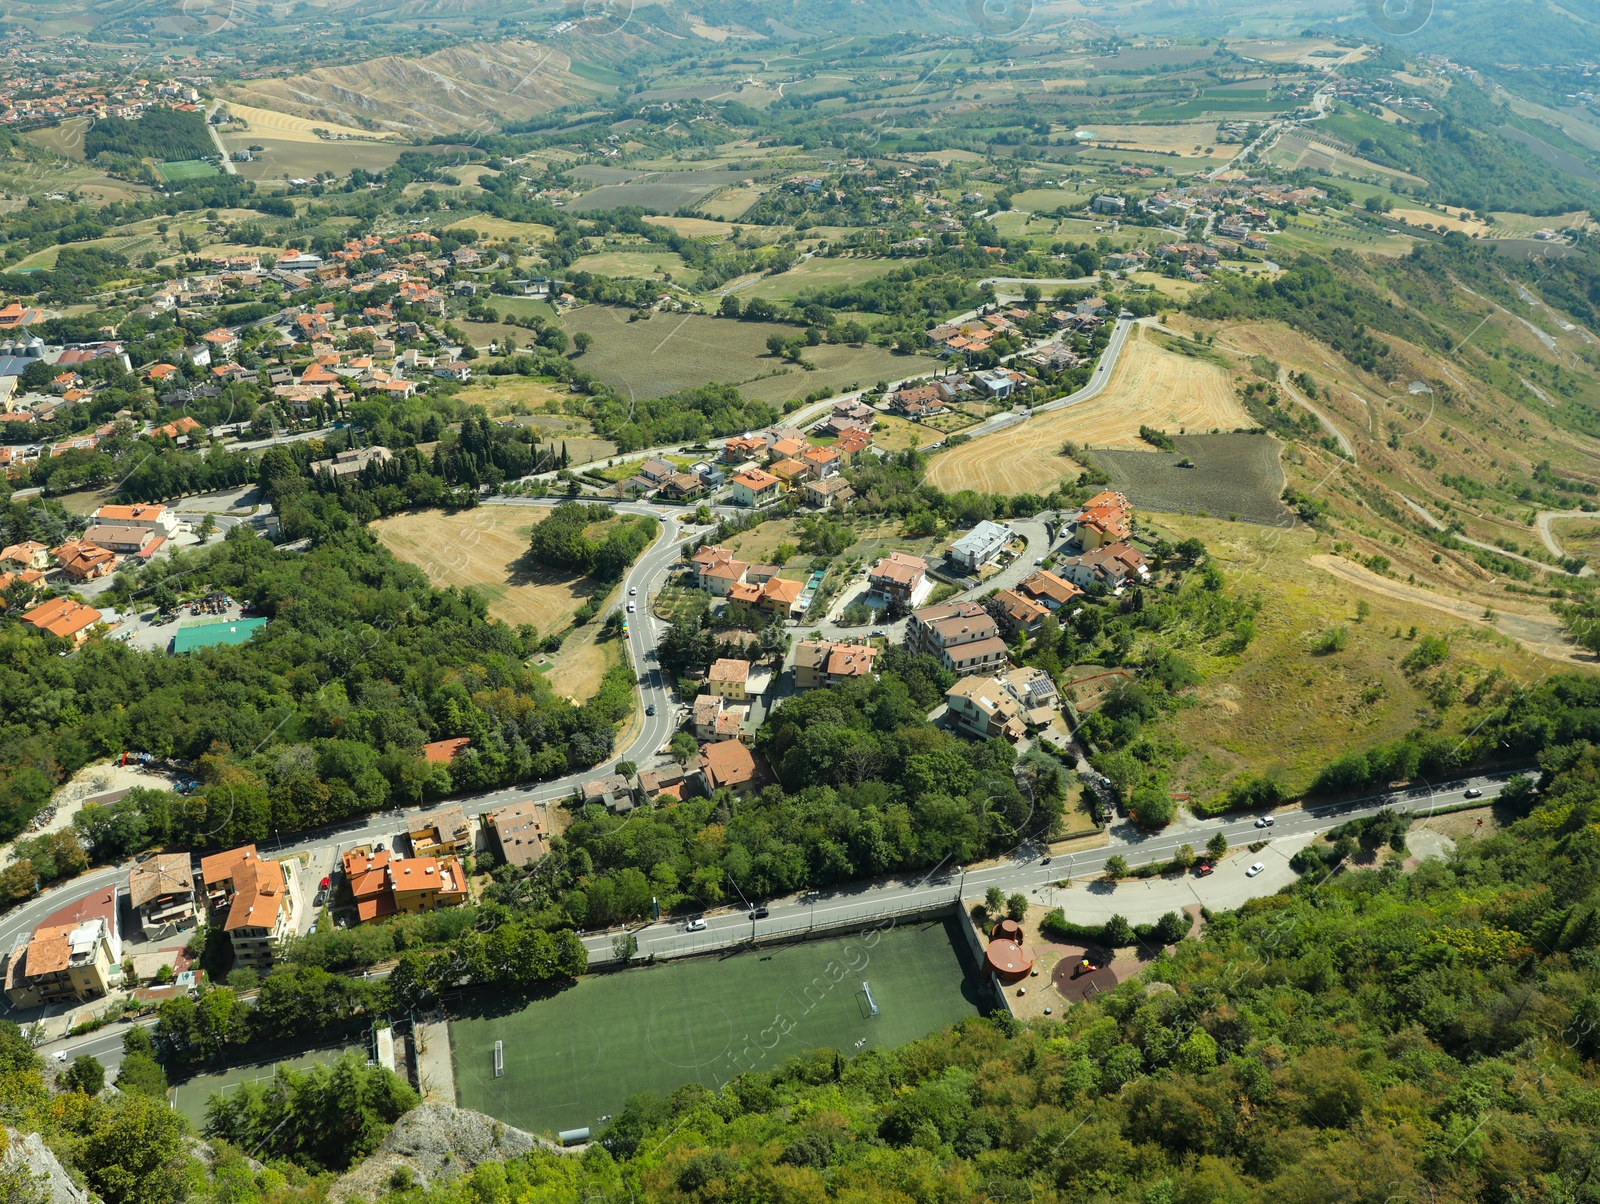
<point>1232,476</point>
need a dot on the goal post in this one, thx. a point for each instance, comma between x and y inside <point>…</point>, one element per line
<point>499,1060</point>
<point>872,1004</point>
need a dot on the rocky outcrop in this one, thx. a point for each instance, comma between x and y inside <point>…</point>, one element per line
<point>28,1152</point>
<point>431,1144</point>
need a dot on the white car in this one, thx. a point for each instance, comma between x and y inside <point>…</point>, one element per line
<point>1254,870</point>
<point>632,590</point>
<point>631,608</point>
<point>695,926</point>
<point>1265,821</point>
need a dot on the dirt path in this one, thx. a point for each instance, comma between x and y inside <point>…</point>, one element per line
<point>1542,523</point>
<point>1540,635</point>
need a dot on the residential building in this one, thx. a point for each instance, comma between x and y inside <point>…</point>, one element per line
<point>263,911</point>
<point>446,831</point>
<point>1112,565</point>
<point>222,342</point>
<point>963,636</point>
<point>1103,520</point>
<point>829,493</point>
<point>57,963</point>
<point>129,541</point>
<point>898,576</point>
<point>30,554</point>
<point>981,707</point>
<point>613,792</point>
<point>755,487</point>
<point>811,664</point>
<point>1047,589</point>
<point>742,448</point>
<point>1025,614</point>
<point>657,471</point>
<point>73,953</point>
<point>64,619</point>
<point>255,900</point>
<point>707,710</point>
<point>161,891</point>
<point>519,833</point>
<point>366,873</point>
<point>669,780</point>
<point>721,578</point>
<point>161,519</point>
<point>790,471</point>
<point>848,661</point>
<point>851,446</point>
<point>728,677</point>
<point>980,546</point>
<point>681,486</point>
<point>705,558</point>
<point>427,883</point>
<point>820,462</point>
<point>729,765</point>
<point>1108,204</point>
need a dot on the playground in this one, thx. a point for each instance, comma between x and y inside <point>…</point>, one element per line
<point>569,1059</point>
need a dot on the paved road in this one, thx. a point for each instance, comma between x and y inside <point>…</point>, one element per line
<point>1024,872</point>
<point>216,137</point>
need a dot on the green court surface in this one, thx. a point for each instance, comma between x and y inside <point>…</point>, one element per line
<point>190,1096</point>
<point>187,169</point>
<point>575,1056</point>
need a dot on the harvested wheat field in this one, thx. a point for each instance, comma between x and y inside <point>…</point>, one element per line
<point>1150,387</point>
<point>482,549</point>
<point>287,127</point>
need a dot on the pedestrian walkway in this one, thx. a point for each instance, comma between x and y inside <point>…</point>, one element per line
<point>436,1074</point>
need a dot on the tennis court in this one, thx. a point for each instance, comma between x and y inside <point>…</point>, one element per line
<point>574,1057</point>
<point>190,1096</point>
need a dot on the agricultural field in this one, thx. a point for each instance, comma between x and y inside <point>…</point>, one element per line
<point>1188,139</point>
<point>508,394</point>
<point>691,227</point>
<point>669,352</point>
<point>816,274</point>
<point>1151,386</point>
<point>642,263</point>
<point>1248,720</point>
<point>664,192</point>
<point>731,204</point>
<point>1233,475</point>
<point>489,226</point>
<point>287,127</point>
<point>483,549</point>
<point>282,158</point>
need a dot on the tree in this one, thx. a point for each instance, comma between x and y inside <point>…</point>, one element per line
<point>208,528</point>
<point>1217,845</point>
<point>994,902</point>
<point>624,945</point>
<point>730,307</point>
<point>684,747</point>
<point>1184,857</point>
<point>1017,907</point>
<point>139,1155</point>
<point>1116,867</point>
<point>85,1075</point>
<point>582,341</point>
<point>1117,932</point>
<point>1172,928</point>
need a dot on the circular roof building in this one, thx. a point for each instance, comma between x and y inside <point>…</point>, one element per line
<point>1009,959</point>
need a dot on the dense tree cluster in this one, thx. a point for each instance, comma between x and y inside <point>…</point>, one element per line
<point>591,539</point>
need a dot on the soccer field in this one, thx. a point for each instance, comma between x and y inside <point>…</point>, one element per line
<point>576,1056</point>
<point>186,169</point>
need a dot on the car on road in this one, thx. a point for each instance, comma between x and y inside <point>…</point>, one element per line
<point>1473,793</point>
<point>759,913</point>
<point>1265,821</point>
<point>324,884</point>
<point>633,591</point>
<point>651,709</point>
<point>1254,870</point>
<point>695,926</point>
<point>1038,562</point>
<point>632,606</point>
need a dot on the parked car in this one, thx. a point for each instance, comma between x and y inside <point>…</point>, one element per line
<point>1204,870</point>
<point>695,926</point>
<point>1473,793</point>
<point>1254,870</point>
